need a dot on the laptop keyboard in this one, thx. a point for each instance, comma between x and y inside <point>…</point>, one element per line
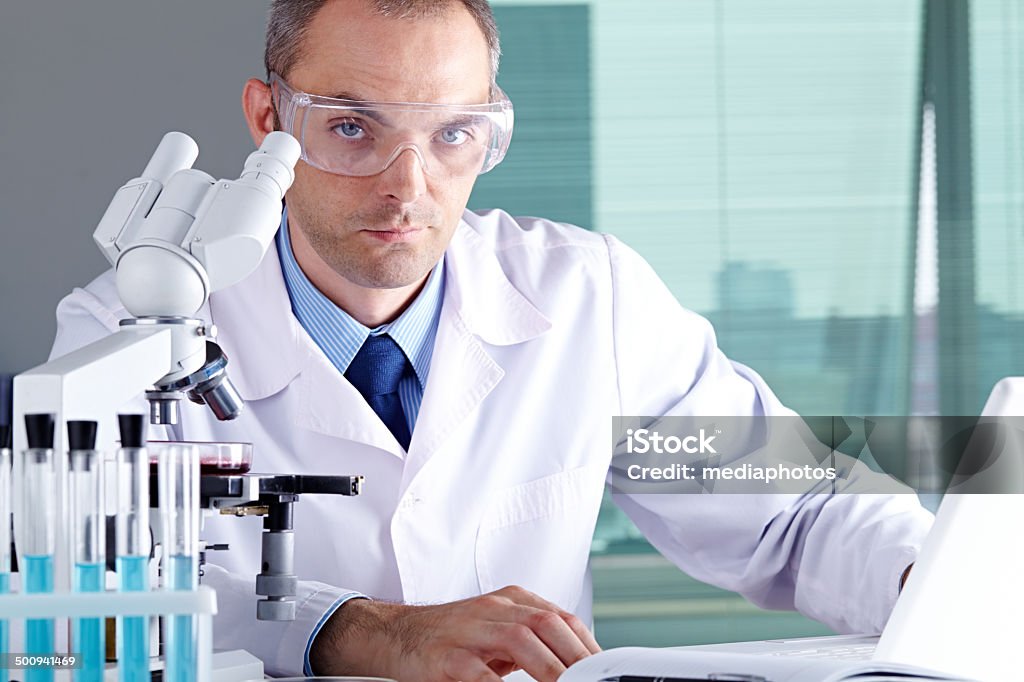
<point>852,652</point>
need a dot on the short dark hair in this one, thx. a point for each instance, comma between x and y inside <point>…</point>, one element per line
<point>289,21</point>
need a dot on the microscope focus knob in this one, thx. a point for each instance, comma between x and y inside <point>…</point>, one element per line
<point>275,610</point>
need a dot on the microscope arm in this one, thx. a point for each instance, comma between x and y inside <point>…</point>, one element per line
<point>92,383</point>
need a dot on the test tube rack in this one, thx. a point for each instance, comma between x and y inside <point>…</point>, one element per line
<point>59,606</point>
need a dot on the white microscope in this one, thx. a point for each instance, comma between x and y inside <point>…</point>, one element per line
<point>174,235</point>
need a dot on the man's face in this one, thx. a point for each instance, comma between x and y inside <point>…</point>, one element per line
<point>386,230</point>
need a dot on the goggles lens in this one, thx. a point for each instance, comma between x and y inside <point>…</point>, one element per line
<point>356,138</point>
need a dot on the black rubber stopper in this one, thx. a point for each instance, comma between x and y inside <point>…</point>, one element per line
<point>7,399</point>
<point>5,436</point>
<point>133,430</point>
<point>39,429</point>
<point>81,435</point>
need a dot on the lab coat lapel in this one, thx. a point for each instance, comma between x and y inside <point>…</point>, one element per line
<point>329,404</point>
<point>462,374</point>
<point>481,309</point>
<point>258,332</point>
<point>268,351</point>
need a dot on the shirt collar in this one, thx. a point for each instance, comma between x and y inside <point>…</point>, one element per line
<point>340,336</point>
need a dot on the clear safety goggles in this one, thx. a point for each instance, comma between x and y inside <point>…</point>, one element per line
<point>351,137</point>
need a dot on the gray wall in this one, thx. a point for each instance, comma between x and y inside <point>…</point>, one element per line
<point>86,91</point>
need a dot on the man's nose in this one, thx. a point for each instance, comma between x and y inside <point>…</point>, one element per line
<point>404,178</point>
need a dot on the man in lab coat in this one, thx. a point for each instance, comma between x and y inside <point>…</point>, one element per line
<point>509,343</point>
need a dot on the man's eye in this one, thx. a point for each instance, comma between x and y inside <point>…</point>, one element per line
<point>454,136</point>
<point>349,130</point>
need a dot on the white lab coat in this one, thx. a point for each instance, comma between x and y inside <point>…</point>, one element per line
<point>546,332</point>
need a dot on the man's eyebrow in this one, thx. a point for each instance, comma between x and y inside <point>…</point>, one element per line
<point>369,113</point>
<point>456,120</point>
<point>463,120</point>
<point>348,96</point>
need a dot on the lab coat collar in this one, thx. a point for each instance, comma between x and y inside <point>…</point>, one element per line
<point>267,347</point>
<point>268,350</point>
<point>259,333</point>
<point>488,303</point>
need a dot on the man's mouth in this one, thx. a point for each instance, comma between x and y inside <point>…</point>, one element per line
<point>398,234</point>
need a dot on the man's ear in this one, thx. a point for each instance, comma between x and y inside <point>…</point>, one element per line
<point>259,114</point>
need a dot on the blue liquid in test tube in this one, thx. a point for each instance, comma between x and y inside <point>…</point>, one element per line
<point>180,644</point>
<point>88,634</point>
<point>38,631</point>
<point>133,644</point>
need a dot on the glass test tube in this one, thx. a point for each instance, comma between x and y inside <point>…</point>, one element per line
<point>5,537</point>
<point>37,517</point>
<point>179,506</point>
<point>88,528</point>
<point>132,546</point>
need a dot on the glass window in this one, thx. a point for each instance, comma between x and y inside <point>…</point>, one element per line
<point>769,160</point>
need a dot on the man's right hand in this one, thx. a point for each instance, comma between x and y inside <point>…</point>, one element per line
<point>477,639</point>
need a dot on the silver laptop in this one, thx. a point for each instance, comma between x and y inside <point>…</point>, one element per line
<point>962,608</point>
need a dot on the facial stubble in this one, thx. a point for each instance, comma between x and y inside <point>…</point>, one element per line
<point>360,259</point>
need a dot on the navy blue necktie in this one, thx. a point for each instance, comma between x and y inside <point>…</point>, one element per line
<point>376,371</point>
